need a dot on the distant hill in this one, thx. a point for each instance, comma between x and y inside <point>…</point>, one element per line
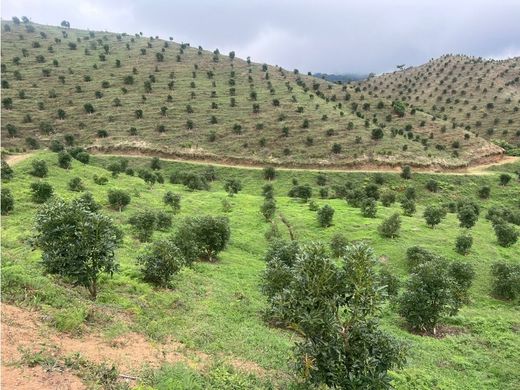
<point>129,92</point>
<point>341,78</point>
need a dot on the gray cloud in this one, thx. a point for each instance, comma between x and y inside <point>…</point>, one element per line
<point>331,36</point>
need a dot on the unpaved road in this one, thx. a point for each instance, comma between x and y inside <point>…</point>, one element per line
<point>472,170</point>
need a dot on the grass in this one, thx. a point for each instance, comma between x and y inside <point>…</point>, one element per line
<point>342,115</point>
<point>217,308</point>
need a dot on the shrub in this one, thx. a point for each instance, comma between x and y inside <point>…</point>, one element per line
<point>208,234</point>
<point>313,206</point>
<point>280,258</point>
<point>417,255</point>
<point>338,245</point>
<point>172,200</point>
<point>325,215</point>
<point>304,192</point>
<point>467,216</point>
<point>268,191</point>
<point>100,180</point>
<point>409,193</point>
<point>7,201</point>
<point>388,198</point>
<point>408,206</point>
<point>39,168</point>
<point>268,209</point>
<point>7,172</point>
<point>433,215</point>
<point>372,191</point>
<point>507,234</point>
<point>160,262</point>
<point>432,185</point>
<point>76,242</point>
<point>232,186</point>
<point>390,227</point>
<point>269,173</point>
<point>506,280</point>
<point>406,172</point>
<point>164,221</point>
<point>505,179</point>
<point>82,157</point>
<point>377,133</point>
<point>463,243</point>
<point>463,274</point>
<point>118,199</point>
<point>195,182</point>
<point>76,185</point>
<point>390,282</point>
<point>64,160</point>
<point>155,164</point>
<point>369,208</point>
<point>144,223</point>
<point>484,192</point>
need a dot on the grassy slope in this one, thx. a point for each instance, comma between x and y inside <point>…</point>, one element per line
<point>216,308</point>
<point>458,89</point>
<point>326,106</point>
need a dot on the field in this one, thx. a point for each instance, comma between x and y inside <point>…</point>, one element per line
<point>208,329</point>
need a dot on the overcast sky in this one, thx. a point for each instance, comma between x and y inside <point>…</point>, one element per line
<point>331,36</point>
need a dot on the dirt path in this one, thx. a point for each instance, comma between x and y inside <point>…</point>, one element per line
<point>480,169</point>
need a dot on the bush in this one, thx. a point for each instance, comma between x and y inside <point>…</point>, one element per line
<point>64,160</point>
<point>497,214</point>
<point>467,216</point>
<point>484,192</point>
<point>372,191</point>
<point>208,234</point>
<point>432,185</point>
<point>82,157</point>
<point>433,215</point>
<point>505,179</point>
<point>76,242</point>
<point>232,186</point>
<point>408,206</point>
<point>7,202</point>
<point>76,185</point>
<point>280,258</point>
<point>507,234</point>
<point>155,164</point>
<point>41,192</point>
<point>463,273</point>
<point>338,244</point>
<point>390,282</point>
<point>406,172</point>
<point>409,193</point>
<point>325,215</point>
<point>144,223</point>
<point>160,262</point>
<point>304,192</point>
<point>506,280</point>
<point>164,221</point>
<point>390,227</point>
<point>100,180</point>
<point>269,173</point>
<point>268,191</point>
<point>172,200</point>
<point>195,182</point>
<point>388,198</point>
<point>417,255</point>
<point>7,172</point>
<point>39,168</point>
<point>369,208</point>
<point>118,199</point>
<point>87,200</point>
<point>268,209</point>
<point>463,243</point>
<point>56,146</point>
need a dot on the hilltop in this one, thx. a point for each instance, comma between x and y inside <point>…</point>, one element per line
<point>478,95</point>
<point>110,91</point>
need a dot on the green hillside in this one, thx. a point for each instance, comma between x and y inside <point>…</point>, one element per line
<point>129,92</point>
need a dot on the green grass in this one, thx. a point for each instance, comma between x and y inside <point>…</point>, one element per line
<point>217,308</point>
<point>327,107</point>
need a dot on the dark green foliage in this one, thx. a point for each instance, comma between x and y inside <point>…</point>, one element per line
<point>12,130</point>
<point>325,215</point>
<point>410,193</point>
<point>269,173</point>
<point>406,172</point>
<point>268,191</point>
<point>321,179</point>
<point>148,176</point>
<point>89,108</point>
<point>399,107</point>
<point>144,223</point>
<point>500,213</point>
<point>377,133</point>
<point>76,185</point>
<point>208,234</point>
<point>432,185</point>
<point>467,216</point>
<point>32,143</point>
<point>41,192</point>
<point>82,157</point>
<point>164,220</point>
<point>408,206</point>
<point>118,199</point>
<point>155,164</point>
<point>338,245</point>
<point>172,200</point>
<point>369,208</point>
<point>194,181</point>
<point>484,192</point>
<point>76,242</point>
<point>232,186</point>
<point>463,243</point>
<point>417,255</point>
<point>268,209</point>
<point>390,282</point>
<point>388,198</point>
<point>7,172</point>
<point>39,168</point>
<point>372,191</point>
<point>7,201</point>
<point>56,146</point>
<point>100,180</point>
<point>506,280</point>
<point>433,215</point>
<point>390,227</point>
<point>507,234</point>
<point>64,160</point>
<point>304,192</point>
<point>505,179</point>
<point>463,273</point>
<point>160,262</point>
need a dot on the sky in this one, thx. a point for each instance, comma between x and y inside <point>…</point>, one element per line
<point>328,36</point>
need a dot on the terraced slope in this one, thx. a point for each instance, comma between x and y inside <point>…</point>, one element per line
<point>477,95</point>
<point>127,92</point>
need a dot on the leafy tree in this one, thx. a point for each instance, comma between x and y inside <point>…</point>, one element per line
<point>172,200</point>
<point>463,243</point>
<point>268,191</point>
<point>399,107</point>
<point>7,201</point>
<point>208,234</point>
<point>144,223</point>
<point>39,168</point>
<point>160,262</point>
<point>388,198</point>
<point>372,191</point>
<point>484,192</point>
<point>432,185</point>
<point>408,206</point>
<point>377,133</point>
<point>41,192</point>
<point>417,255</point>
<point>100,180</point>
<point>7,172</point>
<point>506,280</point>
<point>269,173</point>
<point>89,108</point>
<point>76,242</point>
<point>65,24</point>
<point>195,182</point>
<point>76,185</point>
<point>390,282</point>
<point>505,179</point>
<point>463,273</point>
<point>164,220</point>
<point>56,146</point>
<point>268,209</point>
<point>304,192</point>
<point>64,160</point>
<point>390,227</point>
<point>232,186</point>
<point>12,130</point>
<point>507,234</point>
<point>155,164</point>
<point>325,215</point>
<point>406,172</point>
<point>467,216</point>
<point>369,208</point>
<point>118,199</point>
<point>433,215</point>
<point>338,245</point>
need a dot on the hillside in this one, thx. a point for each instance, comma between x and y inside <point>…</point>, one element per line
<point>477,95</point>
<point>128,92</point>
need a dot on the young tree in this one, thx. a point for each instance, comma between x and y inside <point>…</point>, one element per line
<point>406,172</point>
<point>507,234</point>
<point>163,220</point>
<point>304,192</point>
<point>39,168</point>
<point>7,201</point>
<point>467,216</point>
<point>64,160</point>
<point>144,223</point>
<point>76,185</point>
<point>76,242</point>
<point>232,186</point>
<point>325,215</point>
<point>7,172</point>
<point>388,198</point>
<point>155,164</point>
<point>118,199</point>
<point>338,245</point>
<point>408,206</point>
<point>269,173</point>
<point>268,209</point>
<point>505,179</point>
<point>160,262</point>
<point>433,215</point>
<point>172,200</point>
<point>506,280</point>
<point>484,192</point>
<point>41,192</point>
<point>463,243</point>
<point>390,227</point>
<point>369,208</point>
